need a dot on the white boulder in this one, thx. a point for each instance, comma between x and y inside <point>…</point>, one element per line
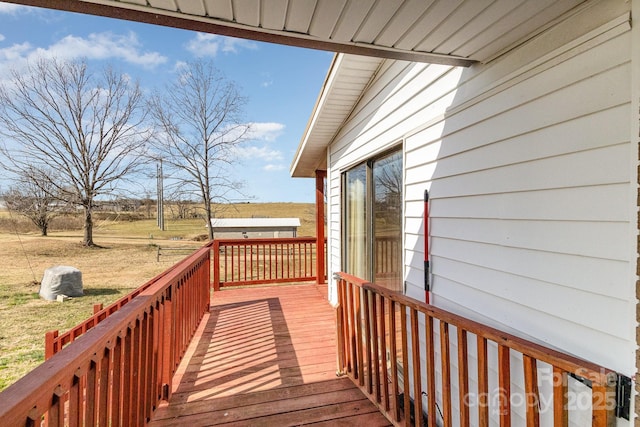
<point>61,280</point>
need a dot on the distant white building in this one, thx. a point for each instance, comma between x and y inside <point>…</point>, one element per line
<point>239,228</point>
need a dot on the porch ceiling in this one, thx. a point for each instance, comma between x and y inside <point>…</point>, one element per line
<point>455,32</point>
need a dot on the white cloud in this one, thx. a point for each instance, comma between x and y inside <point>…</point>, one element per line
<point>12,9</point>
<point>205,44</point>
<point>105,45</point>
<point>274,168</point>
<point>259,153</point>
<point>180,66</point>
<point>266,131</point>
<point>14,53</point>
<point>2,37</point>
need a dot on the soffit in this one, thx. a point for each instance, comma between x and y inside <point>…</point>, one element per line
<point>346,81</point>
<point>456,32</point>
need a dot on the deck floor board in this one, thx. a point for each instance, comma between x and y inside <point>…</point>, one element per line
<point>266,357</point>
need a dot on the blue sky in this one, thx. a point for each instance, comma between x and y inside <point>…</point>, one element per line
<point>281,82</point>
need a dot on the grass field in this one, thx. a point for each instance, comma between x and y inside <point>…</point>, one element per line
<point>125,260</point>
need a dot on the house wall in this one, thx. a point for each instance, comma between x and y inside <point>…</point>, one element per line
<point>532,176</point>
<point>635,138</point>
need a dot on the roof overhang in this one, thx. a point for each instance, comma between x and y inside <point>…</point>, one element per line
<point>262,20</point>
<point>453,32</point>
<point>346,81</point>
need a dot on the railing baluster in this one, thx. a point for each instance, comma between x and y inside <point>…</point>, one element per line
<point>463,377</point>
<point>156,387</point>
<point>431,371</point>
<point>55,416</point>
<point>289,259</point>
<point>135,371</point>
<point>504,385</point>
<point>446,373</point>
<point>366,315</point>
<point>75,402</point>
<point>127,376</point>
<point>483,383</point>
<point>560,398</point>
<point>90,395</point>
<point>384,338</point>
<point>340,319</point>
<point>603,401</point>
<point>394,359</point>
<point>352,366</point>
<point>375,345</point>
<point>417,376</point>
<point>116,384</point>
<point>358,338</point>
<point>146,365</point>
<point>405,362</point>
<point>103,387</point>
<point>531,390</point>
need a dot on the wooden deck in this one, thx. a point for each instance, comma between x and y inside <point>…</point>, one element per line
<point>266,357</point>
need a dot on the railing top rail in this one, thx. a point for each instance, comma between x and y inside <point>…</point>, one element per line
<point>583,368</point>
<point>266,240</point>
<point>34,389</point>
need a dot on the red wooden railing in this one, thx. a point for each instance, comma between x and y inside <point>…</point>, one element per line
<point>377,334</point>
<point>120,369</point>
<point>242,261</point>
<point>54,341</point>
<point>259,261</point>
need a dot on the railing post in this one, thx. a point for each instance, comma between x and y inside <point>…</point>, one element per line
<point>604,403</point>
<point>97,308</point>
<point>340,329</point>
<point>167,347</point>
<point>216,265</point>
<point>207,278</point>
<point>320,268</point>
<point>49,347</point>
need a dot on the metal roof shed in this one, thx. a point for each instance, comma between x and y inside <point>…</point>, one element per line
<point>238,228</point>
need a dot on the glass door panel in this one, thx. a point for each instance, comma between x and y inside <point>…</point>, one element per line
<point>355,222</point>
<point>387,221</point>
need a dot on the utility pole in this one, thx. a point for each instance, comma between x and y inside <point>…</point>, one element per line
<point>160,191</point>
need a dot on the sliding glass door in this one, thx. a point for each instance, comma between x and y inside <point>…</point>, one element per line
<point>372,233</point>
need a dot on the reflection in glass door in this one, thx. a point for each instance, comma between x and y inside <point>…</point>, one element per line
<point>387,221</point>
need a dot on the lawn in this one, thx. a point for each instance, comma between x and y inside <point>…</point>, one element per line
<point>125,260</point>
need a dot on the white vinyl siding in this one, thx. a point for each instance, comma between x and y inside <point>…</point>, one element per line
<point>532,181</point>
<point>529,205</point>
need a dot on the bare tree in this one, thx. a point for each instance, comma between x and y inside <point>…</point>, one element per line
<point>199,122</point>
<point>86,127</point>
<point>32,196</point>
